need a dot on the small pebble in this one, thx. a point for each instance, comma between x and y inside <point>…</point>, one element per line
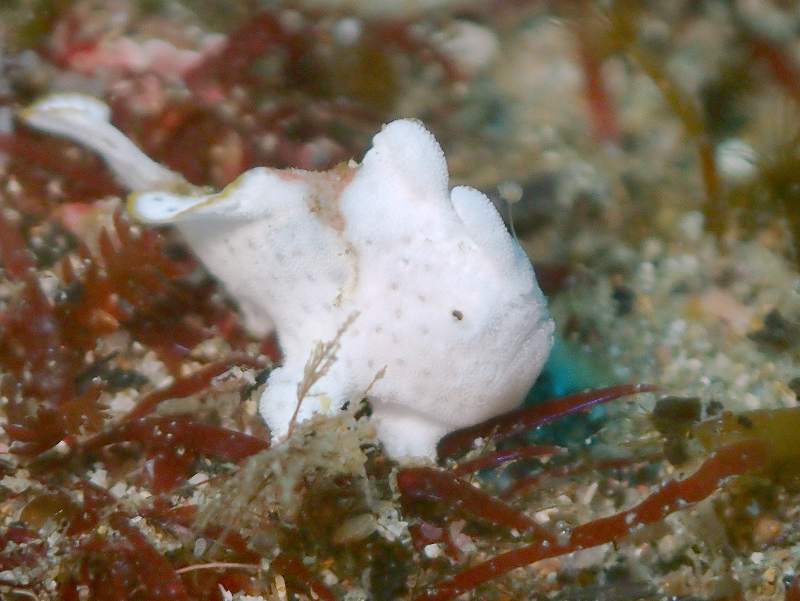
<point>766,531</point>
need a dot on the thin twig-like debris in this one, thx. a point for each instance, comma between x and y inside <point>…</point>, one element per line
<point>319,363</point>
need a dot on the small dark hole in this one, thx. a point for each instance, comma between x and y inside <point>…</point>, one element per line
<point>458,314</point>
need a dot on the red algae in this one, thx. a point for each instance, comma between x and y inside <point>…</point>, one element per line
<point>527,418</point>
<point>157,575</point>
<point>189,385</point>
<point>499,458</point>
<point>793,590</point>
<point>17,260</point>
<point>672,496</point>
<point>431,484</point>
<point>294,569</point>
<point>36,160</point>
<point>121,490</point>
<point>176,431</point>
<point>242,47</point>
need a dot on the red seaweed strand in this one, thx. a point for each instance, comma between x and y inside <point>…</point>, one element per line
<point>526,418</point>
<point>243,46</point>
<point>793,590</point>
<point>157,575</point>
<point>188,385</point>
<point>783,69</point>
<point>19,547</point>
<point>172,432</point>
<point>504,456</point>
<point>675,495</point>
<point>432,484</point>
<point>601,108</point>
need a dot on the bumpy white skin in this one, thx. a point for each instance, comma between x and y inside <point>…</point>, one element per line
<point>446,300</point>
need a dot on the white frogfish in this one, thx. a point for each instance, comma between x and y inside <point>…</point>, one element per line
<point>435,309</point>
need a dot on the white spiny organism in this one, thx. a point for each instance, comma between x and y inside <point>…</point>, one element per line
<point>438,299</point>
